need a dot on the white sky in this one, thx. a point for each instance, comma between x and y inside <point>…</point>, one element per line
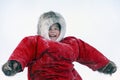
<point>95,21</point>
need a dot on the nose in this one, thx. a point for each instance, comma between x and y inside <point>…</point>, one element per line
<point>52,31</point>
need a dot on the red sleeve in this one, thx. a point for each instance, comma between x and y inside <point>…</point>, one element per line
<point>25,51</point>
<point>90,56</point>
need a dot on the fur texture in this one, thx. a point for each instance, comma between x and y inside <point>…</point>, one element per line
<point>46,20</point>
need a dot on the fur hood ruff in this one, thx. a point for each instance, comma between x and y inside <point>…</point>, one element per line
<point>46,20</point>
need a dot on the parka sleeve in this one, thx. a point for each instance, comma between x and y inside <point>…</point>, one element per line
<point>25,51</point>
<point>90,56</point>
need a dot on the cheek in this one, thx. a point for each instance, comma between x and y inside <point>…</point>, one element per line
<point>58,33</point>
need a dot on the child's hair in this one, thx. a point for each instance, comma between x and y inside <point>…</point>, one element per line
<point>59,26</point>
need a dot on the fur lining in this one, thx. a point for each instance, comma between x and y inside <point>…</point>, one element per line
<point>48,19</point>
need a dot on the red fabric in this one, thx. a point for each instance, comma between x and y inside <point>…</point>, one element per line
<point>48,60</point>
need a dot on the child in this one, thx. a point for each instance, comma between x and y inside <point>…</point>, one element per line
<point>50,56</point>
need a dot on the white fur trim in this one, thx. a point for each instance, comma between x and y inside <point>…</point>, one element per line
<point>48,19</point>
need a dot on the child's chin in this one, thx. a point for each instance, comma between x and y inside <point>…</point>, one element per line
<point>53,38</point>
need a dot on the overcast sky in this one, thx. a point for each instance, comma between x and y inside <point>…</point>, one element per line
<point>95,21</point>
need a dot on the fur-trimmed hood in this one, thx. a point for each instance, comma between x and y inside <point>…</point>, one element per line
<point>46,20</point>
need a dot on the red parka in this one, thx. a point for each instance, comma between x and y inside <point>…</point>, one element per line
<point>52,60</point>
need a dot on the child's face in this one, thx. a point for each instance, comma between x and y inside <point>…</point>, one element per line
<point>54,32</point>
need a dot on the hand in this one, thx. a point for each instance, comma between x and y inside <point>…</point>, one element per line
<point>11,67</point>
<point>109,68</point>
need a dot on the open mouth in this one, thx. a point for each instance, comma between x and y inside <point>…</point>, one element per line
<point>53,37</point>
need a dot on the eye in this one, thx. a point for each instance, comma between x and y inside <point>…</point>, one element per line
<point>56,28</point>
